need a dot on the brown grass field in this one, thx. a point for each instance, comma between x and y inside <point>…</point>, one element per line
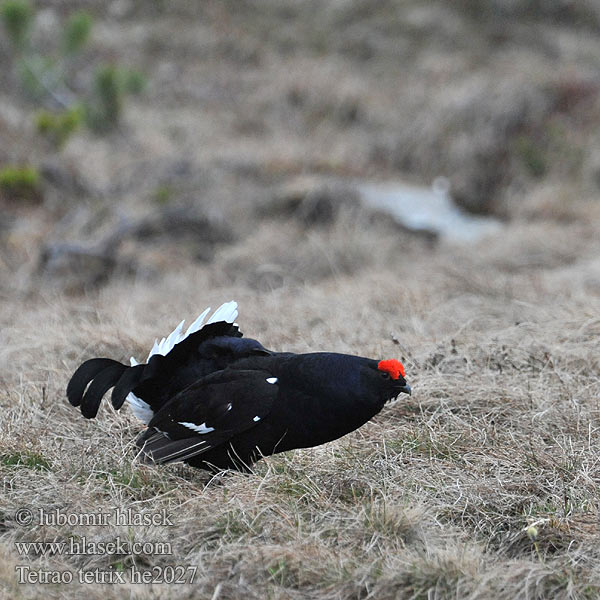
<point>484,484</point>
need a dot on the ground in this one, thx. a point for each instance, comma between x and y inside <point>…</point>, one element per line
<point>484,483</point>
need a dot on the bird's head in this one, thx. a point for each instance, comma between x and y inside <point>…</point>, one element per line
<point>387,377</point>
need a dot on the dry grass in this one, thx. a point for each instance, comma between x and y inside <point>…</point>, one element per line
<point>484,484</point>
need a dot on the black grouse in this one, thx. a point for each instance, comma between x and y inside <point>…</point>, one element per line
<point>217,400</point>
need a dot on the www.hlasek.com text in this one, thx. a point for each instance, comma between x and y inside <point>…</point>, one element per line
<point>83,545</point>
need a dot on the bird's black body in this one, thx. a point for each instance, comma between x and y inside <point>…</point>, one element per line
<point>217,400</point>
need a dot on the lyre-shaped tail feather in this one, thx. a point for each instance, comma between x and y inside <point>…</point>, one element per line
<point>129,380</point>
<point>96,376</point>
<point>101,374</point>
<point>84,374</point>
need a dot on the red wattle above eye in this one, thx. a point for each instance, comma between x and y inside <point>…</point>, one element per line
<point>394,367</point>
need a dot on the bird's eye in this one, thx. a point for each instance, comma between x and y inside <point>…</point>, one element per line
<point>385,374</point>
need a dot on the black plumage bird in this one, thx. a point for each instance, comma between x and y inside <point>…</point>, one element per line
<point>217,400</point>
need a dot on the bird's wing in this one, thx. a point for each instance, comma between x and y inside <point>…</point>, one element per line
<point>209,413</point>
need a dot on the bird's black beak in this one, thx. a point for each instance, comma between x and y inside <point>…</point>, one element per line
<point>406,390</point>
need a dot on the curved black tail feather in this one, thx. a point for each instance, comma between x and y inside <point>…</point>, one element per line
<point>98,387</point>
<point>84,374</point>
<point>129,380</point>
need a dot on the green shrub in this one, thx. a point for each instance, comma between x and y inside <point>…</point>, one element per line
<point>47,77</point>
<point>57,127</point>
<point>20,183</point>
<point>17,17</point>
<point>103,110</point>
<point>76,32</point>
<point>133,82</point>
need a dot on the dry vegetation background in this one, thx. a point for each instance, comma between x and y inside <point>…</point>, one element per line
<point>484,484</point>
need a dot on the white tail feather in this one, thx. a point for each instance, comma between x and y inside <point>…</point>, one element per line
<point>227,312</point>
<point>140,408</point>
<point>197,324</point>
